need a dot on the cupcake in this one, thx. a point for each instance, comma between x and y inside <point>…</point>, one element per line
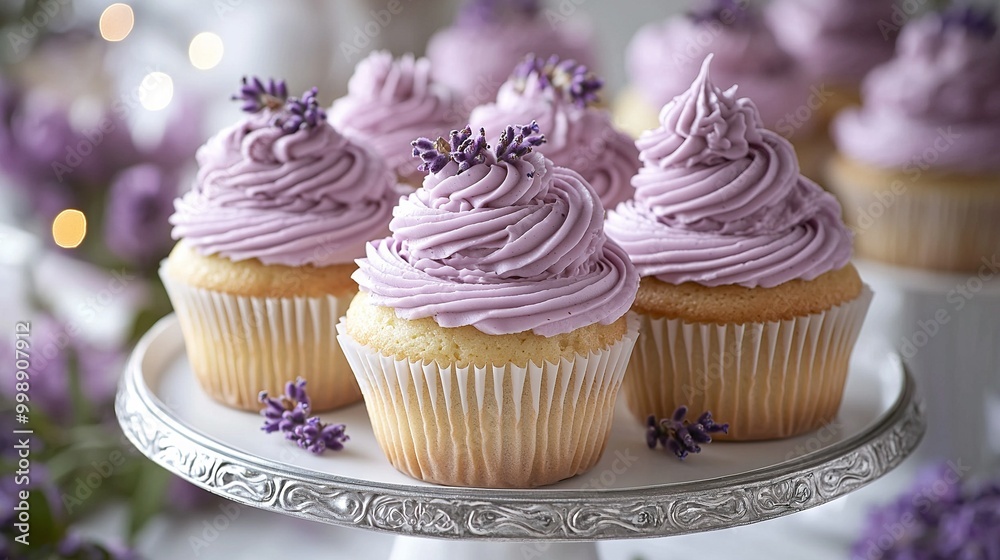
<point>748,304</point>
<point>663,58</point>
<point>917,167</point>
<point>836,43</point>
<point>490,335</point>
<point>281,206</point>
<point>391,102</point>
<point>560,96</point>
<point>474,56</point>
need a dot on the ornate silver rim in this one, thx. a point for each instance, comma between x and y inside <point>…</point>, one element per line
<point>563,515</point>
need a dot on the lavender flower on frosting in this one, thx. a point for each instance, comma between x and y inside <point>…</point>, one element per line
<point>569,79</point>
<point>291,114</point>
<point>289,414</point>
<point>469,150</point>
<point>257,96</point>
<point>977,20</point>
<point>681,436</point>
<point>299,113</point>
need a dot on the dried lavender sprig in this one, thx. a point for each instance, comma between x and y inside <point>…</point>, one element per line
<point>289,414</point>
<point>300,112</point>
<point>572,80</point>
<point>681,436</point>
<point>978,20</point>
<point>257,96</point>
<point>460,147</point>
<point>471,152</point>
<point>517,141</point>
<point>727,12</point>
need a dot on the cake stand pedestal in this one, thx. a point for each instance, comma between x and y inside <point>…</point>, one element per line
<point>633,492</point>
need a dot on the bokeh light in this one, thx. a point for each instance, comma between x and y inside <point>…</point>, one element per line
<point>205,50</point>
<point>116,22</point>
<point>69,228</point>
<point>156,91</point>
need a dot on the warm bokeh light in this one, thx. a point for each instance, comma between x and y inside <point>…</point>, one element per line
<point>116,22</point>
<point>205,50</point>
<point>156,91</point>
<point>69,228</point>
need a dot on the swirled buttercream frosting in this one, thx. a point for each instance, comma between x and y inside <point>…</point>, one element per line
<point>664,57</point>
<point>560,95</point>
<point>720,201</point>
<point>936,104</point>
<point>502,240</point>
<point>284,187</point>
<point>391,102</point>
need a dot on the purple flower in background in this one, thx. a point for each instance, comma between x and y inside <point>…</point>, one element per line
<point>136,226</point>
<point>289,414</point>
<point>978,20</point>
<point>181,136</point>
<point>936,519</point>
<point>53,349</point>
<point>486,12</point>
<point>184,496</point>
<point>727,12</point>
<point>681,436</point>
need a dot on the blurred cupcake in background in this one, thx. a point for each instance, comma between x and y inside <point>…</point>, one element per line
<point>664,57</point>
<point>561,95</point>
<point>748,304</point>
<point>917,168</point>
<point>389,103</point>
<point>490,336</point>
<point>489,38</point>
<point>282,205</point>
<point>836,43</point>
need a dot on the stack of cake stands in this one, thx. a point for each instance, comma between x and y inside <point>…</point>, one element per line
<point>634,492</point>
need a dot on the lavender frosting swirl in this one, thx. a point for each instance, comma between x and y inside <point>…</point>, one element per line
<point>306,198</point>
<point>579,138</point>
<point>505,247</point>
<point>836,42</point>
<point>720,201</point>
<point>936,104</point>
<point>663,58</point>
<point>391,102</point>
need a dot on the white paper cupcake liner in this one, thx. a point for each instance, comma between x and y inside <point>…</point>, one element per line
<point>239,346</point>
<point>496,426</point>
<point>938,228</point>
<point>767,380</point>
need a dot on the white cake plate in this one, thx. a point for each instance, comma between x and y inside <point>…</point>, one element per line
<point>633,492</point>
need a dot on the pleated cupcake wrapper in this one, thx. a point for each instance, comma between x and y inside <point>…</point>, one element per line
<point>239,346</point>
<point>496,426</point>
<point>767,380</point>
<point>933,228</point>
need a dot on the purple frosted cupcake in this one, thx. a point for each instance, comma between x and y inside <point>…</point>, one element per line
<point>391,102</point>
<point>490,37</point>
<point>561,97</point>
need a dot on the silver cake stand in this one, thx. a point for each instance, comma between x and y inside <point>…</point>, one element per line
<point>634,492</point>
